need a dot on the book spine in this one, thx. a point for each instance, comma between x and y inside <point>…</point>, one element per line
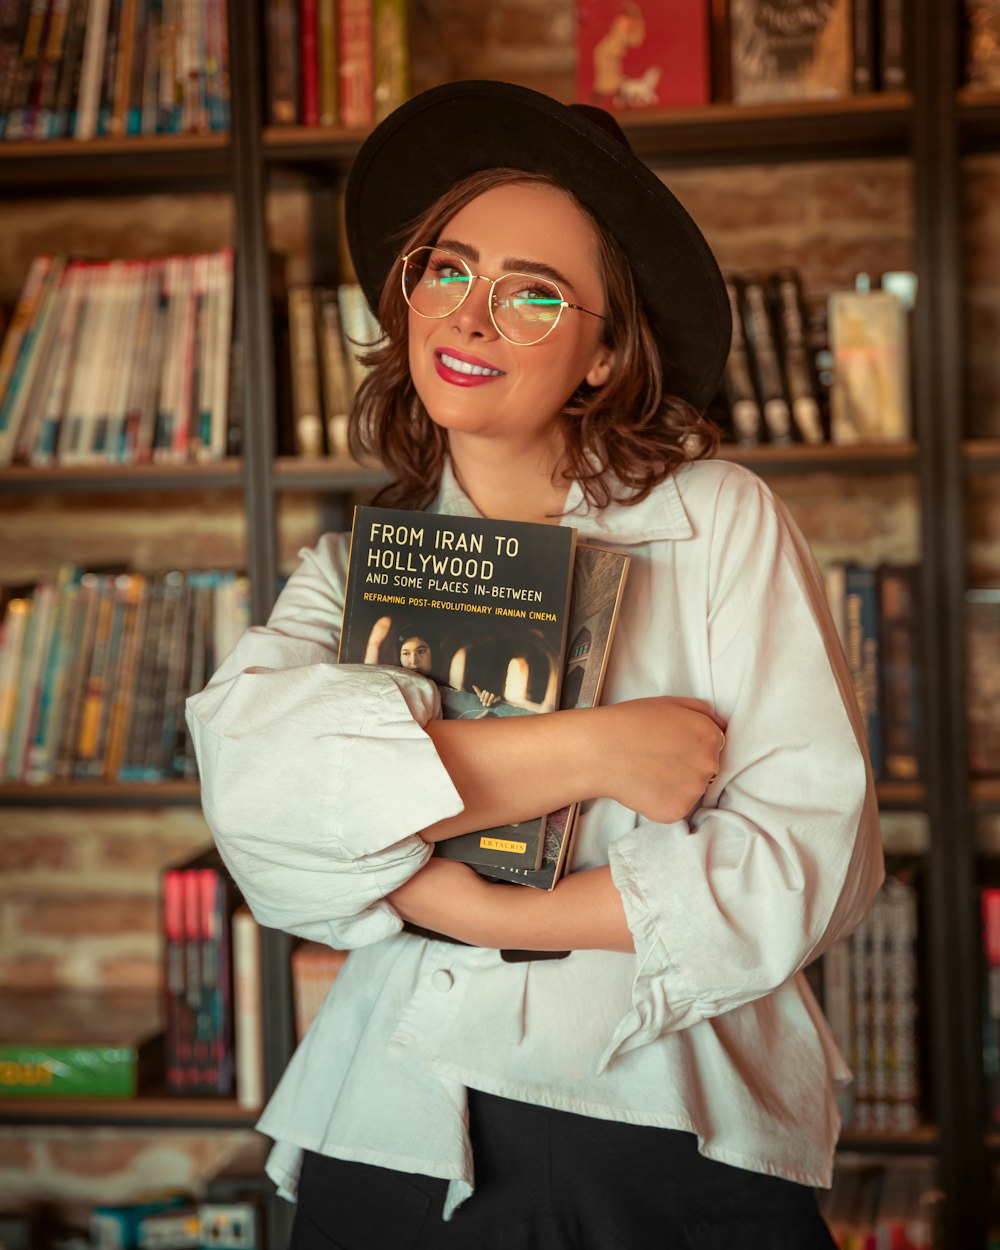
<point>78,666</point>
<point>901,976</point>
<point>893,72</point>
<point>790,326</point>
<point>864,53</point>
<point>223,337</point>
<point>178,1029</point>
<point>109,70</point>
<point>40,759</point>
<point>900,667</point>
<point>12,33</point>
<point>991,1002</point>
<point>861,618</point>
<point>51,69</point>
<point>248,1016</point>
<point>19,120</point>
<point>738,383</point>
<point>982,646</point>
<point>328,59</point>
<point>390,55</point>
<point>336,383</point>
<point>36,646</point>
<point>767,369</point>
<point>282,61</point>
<point>309,61</point>
<point>307,410</point>
<point>17,619</point>
<point>354,39</point>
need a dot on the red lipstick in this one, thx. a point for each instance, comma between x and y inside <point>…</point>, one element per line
<point>458,376</point>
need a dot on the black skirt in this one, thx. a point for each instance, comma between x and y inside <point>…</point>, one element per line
<point>551,1180</point>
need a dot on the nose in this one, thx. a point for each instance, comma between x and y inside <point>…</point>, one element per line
<point>472,317</point>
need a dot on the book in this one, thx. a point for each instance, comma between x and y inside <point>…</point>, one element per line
<point>982,670</point>
<point>892,50</point>
<point>990,903</point>
<point>982,48</point>
<point>79,1044</point>
<point>480,606</point>
<point>307,409</point>
<point>338,391</point>
<point>355,65</point>
<point>870,396</point>
<point>862,633</point>
<point>639,54</point>
<point>864,49</point>
<point>282,52</point>
<point>248,1020</point>
<point>599,578</point>
<point>900,671</point>
<point>390,53</point>
<point>782,50</point>
<point>765,366</point>
<point>327,27</point>
<point>790,327</point>
<point>314,970</point>
<point>737,381</point>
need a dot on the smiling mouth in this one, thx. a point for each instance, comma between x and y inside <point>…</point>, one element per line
<point>463,366</point>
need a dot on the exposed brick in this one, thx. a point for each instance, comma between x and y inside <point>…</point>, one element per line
<point>132,972</point>
<point>29,852</point>
<point>86,917</point>
<point>21,970</point>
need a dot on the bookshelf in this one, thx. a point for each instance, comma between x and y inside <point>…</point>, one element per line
<point>932,130</point>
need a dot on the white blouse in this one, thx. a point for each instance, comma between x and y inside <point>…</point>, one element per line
<point>317,776</point>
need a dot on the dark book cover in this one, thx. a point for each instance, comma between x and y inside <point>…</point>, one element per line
<point>766,367</point>
<point>599,578</point>
<point>900,671</point>
<point>482,607</point>
<point>982,643</point>
<point>790,50</point>
<point>282,52</point>
<point>790,331</point>
<point>862,647</point>
<point>893,69</point>
<point>864,49</point>
<point>737,382</point>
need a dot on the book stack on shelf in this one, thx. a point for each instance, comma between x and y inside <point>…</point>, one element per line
<point>880,1203</point>
<point>335,63</point>
<point>811,371</point>
<point>877,616</point>
<point>125,362</point>
<point>653,56</point>
<point>85,69</point>
<point>95,668</point>
<point>329,331</point>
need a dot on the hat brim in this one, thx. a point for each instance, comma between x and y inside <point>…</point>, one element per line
<point>442,135</point>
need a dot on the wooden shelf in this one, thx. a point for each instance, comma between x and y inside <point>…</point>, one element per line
<point>102,794</point>
<point>901,794</point>
<point>800,458</point>
<point>979,120</point>
<point>327,474</point>
<point>111,478</point>
<point>982,455</point>
<point>715,134</point>
<point>135,165</point>
<point>921,1140</point>
<point>149,1112</point>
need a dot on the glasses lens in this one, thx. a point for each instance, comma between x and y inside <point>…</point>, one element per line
<point>526,308</point>
<point>435,281</point>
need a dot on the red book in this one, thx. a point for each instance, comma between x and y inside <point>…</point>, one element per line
<point>310,62</point>
<point>642,54</point>
<point>354,40</point>
<point>178,1044</point>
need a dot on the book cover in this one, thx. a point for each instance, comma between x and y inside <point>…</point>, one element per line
<point>599,578</point>
<point>306,406</point>
<point>390,53</point>
<point>309,61</point>
<point>482,607</point>
<point>248,1019</point>
<point>329,111</point>
<point>79,1044</point>
<point>639,54</point>
<point>864,50</point>
<point>790,50</point>
<point>870,395</point>
<point>338,392</point>
<point>282,52</point>
<point>356,63</point>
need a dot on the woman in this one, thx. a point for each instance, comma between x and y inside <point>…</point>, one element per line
<point>555,325</point>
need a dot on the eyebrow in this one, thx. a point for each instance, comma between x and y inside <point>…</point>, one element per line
<point>512,264</point>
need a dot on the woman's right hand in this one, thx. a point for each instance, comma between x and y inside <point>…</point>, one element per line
<point>658,755</point>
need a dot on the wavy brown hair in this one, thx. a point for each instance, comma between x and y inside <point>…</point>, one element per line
<point>627,429</point>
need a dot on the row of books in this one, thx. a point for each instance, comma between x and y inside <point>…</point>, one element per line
<point>644,55</point>
<point>812,372</point>
<point>95,668</point>
<point>877,617</point>
<point>125,362</point>
<point>875,1204</point>
<point>341,63</point>
<point>869,987</point>
<point>169,1222</point>
<point>87,68</point>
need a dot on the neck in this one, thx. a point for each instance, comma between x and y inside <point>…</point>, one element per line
<point>515,484</point>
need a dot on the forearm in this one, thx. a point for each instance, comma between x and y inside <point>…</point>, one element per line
<point>583,912</point>
<point>508,770</point>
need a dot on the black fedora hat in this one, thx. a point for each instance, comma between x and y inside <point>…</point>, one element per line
<point>444,134</point>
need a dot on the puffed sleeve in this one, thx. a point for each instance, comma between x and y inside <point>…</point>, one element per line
<point>785,855</point>
<point>316,776</point>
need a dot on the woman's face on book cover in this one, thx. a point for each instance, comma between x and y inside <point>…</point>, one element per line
<point>415,653</point>
<point>473,382</point>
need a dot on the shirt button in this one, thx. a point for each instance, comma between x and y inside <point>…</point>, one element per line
<point>442,980</point>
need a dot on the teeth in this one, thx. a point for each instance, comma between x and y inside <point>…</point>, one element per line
<point>462,366</point>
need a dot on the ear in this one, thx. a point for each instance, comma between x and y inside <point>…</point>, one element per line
<point>600,368</point>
